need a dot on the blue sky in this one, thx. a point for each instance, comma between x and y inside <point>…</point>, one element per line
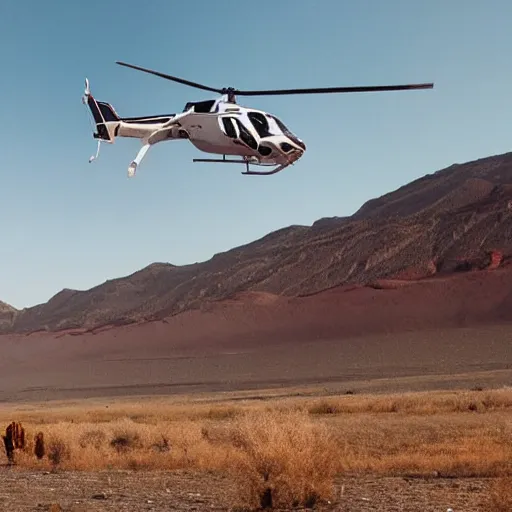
<point>68,223</point>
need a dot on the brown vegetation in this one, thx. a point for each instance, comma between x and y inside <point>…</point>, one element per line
<point>286,452</point>
<point>39,448</point>
<point>14,439</point>
<point>283,459</point>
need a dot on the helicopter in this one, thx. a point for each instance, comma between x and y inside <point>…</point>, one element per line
<point>216,126</point>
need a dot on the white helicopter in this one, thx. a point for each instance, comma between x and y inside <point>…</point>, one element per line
<point>217,126</point>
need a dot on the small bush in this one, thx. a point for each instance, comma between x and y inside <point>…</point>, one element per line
<point>93,438</point>
<point>39,448</point>
<point>284,460</point>
<point>222,413</point>
<point>324,408</point>
<point>126,440</point>
<point>162,445</point>
<point>58,452</point>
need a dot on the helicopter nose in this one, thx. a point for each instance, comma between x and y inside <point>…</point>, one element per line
<point>287,148</point>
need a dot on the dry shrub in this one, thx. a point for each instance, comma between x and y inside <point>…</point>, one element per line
<point>500,495</point>
<point>94,438</point>
<point>14,440</point>
<point>125,440</point>
<point>39,448</point>
<point>324,407</point>
<point>282,459</point>
<point>454,445</point>
<point>413,433</point>
<point>424,404</point>
<point>125,444</point>
<point>58,451</point>
<point>161,445</point>
<point>221,413</point>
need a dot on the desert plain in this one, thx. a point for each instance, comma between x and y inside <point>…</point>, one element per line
<point>402,422</point>
<point>359,364</point>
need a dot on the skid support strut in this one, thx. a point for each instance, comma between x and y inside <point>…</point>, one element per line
<point>247,163</point>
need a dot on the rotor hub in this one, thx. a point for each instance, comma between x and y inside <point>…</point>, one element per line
<point>231,94</point>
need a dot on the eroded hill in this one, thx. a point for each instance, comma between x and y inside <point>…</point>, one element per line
<point>457,219</point>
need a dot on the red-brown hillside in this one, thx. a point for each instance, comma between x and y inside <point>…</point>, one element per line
<point>458,219</point>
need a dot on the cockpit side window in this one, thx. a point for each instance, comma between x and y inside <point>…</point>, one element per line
<point>260,123</point>
<point>202,107</point>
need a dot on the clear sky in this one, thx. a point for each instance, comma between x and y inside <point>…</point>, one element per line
<point>70,224</point>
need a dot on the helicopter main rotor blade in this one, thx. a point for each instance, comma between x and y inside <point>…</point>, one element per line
<point>273,92</point>
<point>323,90</point>
<point>174,78</point>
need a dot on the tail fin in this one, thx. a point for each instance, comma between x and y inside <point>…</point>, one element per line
<point>106,118</point>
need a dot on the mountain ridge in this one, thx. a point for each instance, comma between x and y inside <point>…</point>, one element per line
<point>458,218</point>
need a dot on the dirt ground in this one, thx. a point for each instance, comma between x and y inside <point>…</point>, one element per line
<point>40,369</point>
<point>124,491</point>
<point>34,371</point>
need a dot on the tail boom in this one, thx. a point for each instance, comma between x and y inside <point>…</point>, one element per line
<point>110,125</point>
<point>149,129</point>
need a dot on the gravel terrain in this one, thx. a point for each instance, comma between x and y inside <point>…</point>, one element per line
<point>122,491</point>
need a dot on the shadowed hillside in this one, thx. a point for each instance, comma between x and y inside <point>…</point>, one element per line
<point>457,219</point>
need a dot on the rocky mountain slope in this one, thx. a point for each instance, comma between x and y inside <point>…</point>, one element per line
<point>457,219</point>
<point>7,314</point>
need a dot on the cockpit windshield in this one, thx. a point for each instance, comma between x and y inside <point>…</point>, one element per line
<point>264,128</point>
<point>283,127</point>
<point>287,132</point>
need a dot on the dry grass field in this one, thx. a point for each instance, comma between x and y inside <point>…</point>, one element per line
<point>387,452</point>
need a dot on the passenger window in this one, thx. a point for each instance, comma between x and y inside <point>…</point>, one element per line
<point>246,136</point>
<point>229,128</point>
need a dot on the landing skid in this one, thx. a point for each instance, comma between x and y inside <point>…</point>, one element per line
<point>247,163</point>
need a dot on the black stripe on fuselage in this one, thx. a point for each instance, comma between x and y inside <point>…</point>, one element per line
<point>148,119</point>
